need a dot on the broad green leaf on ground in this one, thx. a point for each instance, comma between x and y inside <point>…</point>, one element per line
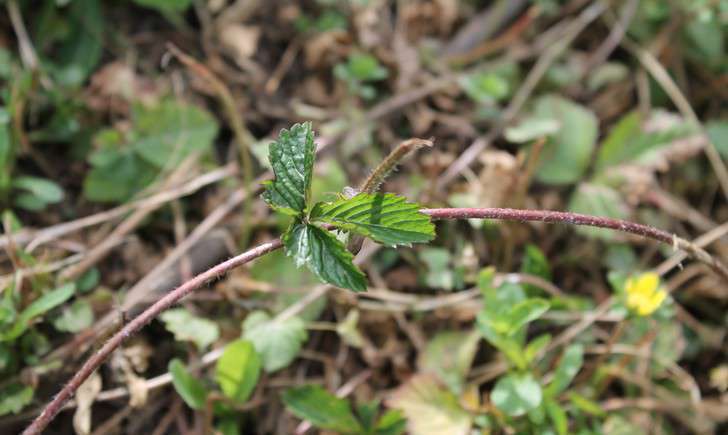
<point>117,172</point>
<point>516,394</point>
<point>629,143</point>
<point>568,367</point>
<point>324,410</point>
<point>37,192</point>
<point>430,408</point>
<point>41,305</point>
<point>187,386</point>
<point>385,218</point>
<point>324,255</point>
<point>166,134</point>
<point>237,370</point>
<point>277,342</point>
<point>448,355</point>
<point>81,49</point>
<point>566,154</point>
<point>531,129</point>
<point>598,200</point>
<point>291,156</point>
<point>14,397</point>
<point>75,318</point>
<point>187,327</point>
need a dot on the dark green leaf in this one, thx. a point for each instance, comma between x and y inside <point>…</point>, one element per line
<point>44,303</point>
<point>568,367</point>
<point>386,218</point>
<point>391,423</point>
<point>237,370</point>
<point>324,255</point>
<point>277,342</point>
<point>516,394</point>
<point>321,408</point>
<point>165,5</point>
<point>291,157</point>
<point>14,397</point>
<point>187,386</point>
<point>81,51</point>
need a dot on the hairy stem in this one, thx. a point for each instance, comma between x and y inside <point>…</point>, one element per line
<point>171,298</point>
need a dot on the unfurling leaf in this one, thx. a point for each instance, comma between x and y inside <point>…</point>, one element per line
<point>324,255</point>
<point>322,409</point>
<point>291,157</point>
<point>386,218</point>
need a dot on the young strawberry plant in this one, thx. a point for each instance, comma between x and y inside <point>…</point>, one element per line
<point>385,218</point>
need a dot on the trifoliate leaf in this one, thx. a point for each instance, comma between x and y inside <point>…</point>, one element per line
<point>291,157</point>
<point>322,409</point>
<point>386,218</point>
<point>277,342</point>
<point>324,255</point>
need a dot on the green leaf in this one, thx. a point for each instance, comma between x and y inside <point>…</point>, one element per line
<point>598,200</point>
<point>82,48</point>
<point>385,218</point>
<point>524,313</point>
<point>187,327</point>
<point>237,370</point>
<point>531,129</point>
<point>75,318</point>
<point>277,342</point>
<point>485,87</point>
<point>430,408</point>
<point>568,367</point>
<point>187,386</point>
<point>324,255</point>
<point>166,134</point>
<point>535,263</point>
<point>516,394</point>
<point>567,153</point>
<point>391,423</point>
<point>586,405</point>
<point>558,416</point>
<point>321,408</point>
<point>291,157</point>
<point>14,397</point>
<point>628,143</point>
<point>535,346</point>
<point>41,305</point>
<point>449,355</point>
<point>45,190</point>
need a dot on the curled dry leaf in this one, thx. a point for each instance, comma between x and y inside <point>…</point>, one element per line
<point>85,397</point>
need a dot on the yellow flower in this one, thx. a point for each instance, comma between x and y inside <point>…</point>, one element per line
<point>644,293</point>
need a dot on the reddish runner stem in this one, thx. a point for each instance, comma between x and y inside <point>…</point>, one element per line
<point>55,405</point>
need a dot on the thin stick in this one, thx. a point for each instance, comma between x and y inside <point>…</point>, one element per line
<point>56,404</point>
